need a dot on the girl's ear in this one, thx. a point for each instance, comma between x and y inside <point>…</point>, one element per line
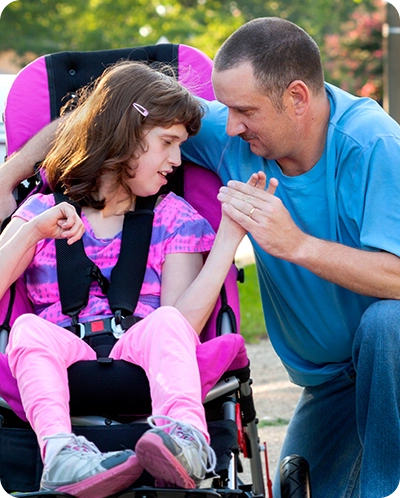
<point>299,95</point>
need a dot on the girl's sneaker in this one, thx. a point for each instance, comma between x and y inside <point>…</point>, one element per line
<point>80,469</point>
<point>178,458</point>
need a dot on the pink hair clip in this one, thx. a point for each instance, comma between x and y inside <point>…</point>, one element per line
<point>143,111</point>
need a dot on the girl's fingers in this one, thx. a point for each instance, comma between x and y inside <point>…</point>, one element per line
<point>73,235</point>
<point>262,180</point>
<point>70,223</point>
<point>254,188</point>
<point>64,224</point>
<point>272,186</point>
<point>258,180</point>
<point>253,180</point>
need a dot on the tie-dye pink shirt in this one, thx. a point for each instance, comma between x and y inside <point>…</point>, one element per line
<point>177,228</point>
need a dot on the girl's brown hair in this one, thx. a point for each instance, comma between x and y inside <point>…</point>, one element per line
<point>105,131</point>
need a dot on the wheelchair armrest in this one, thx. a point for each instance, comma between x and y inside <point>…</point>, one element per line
<point>225,386</point>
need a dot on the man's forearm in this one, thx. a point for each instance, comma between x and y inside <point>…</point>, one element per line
<point>370,273</point>
<point>21,164</point>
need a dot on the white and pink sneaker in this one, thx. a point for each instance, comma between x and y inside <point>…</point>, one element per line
<point>80,469</point>
<point>178,458</point>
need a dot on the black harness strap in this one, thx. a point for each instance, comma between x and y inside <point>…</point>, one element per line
<point>76,272</point>
<point>127,275</point>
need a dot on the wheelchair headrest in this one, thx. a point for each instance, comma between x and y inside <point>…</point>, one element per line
<point>43,86</point>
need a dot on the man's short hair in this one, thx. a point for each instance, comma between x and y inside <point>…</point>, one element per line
<point>279,53</point>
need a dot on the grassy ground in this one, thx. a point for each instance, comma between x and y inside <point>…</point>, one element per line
<point>252,319</point>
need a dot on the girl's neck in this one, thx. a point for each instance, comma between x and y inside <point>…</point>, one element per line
<point>117,200</point>
<point>104,225</point>
<point>107,222</point>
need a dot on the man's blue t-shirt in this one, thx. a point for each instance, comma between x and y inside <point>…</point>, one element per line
<point>350,196</point>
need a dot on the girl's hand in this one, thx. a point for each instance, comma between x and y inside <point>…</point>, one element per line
<point>59,222</point>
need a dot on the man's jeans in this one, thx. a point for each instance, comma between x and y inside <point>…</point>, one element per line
<point>348,429</point>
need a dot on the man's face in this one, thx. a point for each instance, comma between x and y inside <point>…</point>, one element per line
<point>252,114</point>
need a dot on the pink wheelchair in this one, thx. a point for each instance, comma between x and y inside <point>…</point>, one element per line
<point>101,404</point>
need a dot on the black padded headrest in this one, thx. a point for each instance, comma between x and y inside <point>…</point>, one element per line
<point>69,71</point>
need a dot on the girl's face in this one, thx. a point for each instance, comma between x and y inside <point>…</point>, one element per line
<point>162,155</point>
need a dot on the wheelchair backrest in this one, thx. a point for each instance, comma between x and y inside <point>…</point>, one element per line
<point>42,88</point>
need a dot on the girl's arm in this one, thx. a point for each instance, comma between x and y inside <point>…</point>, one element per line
<point>19,239</point>
<point>193,288</point>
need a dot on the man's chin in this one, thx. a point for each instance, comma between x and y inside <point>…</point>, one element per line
<point>254,144</point>
<point>256,149</point>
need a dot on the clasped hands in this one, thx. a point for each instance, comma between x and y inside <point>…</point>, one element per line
<point>258,211</point>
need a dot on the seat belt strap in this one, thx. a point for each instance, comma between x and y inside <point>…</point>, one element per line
<point>75,271</point>
<point>128,274</point>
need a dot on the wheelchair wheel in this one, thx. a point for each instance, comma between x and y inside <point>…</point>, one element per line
<point>295,477</point>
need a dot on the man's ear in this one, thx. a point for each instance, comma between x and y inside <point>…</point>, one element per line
<point>299,94</point>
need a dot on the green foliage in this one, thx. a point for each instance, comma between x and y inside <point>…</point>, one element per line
<point>37,27</point>
<point>316,17</point>
<point>354,55</point>
<point>252,319</point>
<point>42,26</point>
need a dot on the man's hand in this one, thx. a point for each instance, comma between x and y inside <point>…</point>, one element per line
<point>20,165</point>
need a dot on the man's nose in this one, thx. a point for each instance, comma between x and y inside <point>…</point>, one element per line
<point>234,125</point>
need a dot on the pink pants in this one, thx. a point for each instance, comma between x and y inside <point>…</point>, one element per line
<point>163,344</point>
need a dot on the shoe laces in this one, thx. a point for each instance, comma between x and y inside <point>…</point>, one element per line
<point>187,434</point>
<point>77,443</point>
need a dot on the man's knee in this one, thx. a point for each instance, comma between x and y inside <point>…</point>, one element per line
<point>382,314</point>
<point>379,327</point>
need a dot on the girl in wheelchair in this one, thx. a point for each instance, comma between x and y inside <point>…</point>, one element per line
<point>120,143</point>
